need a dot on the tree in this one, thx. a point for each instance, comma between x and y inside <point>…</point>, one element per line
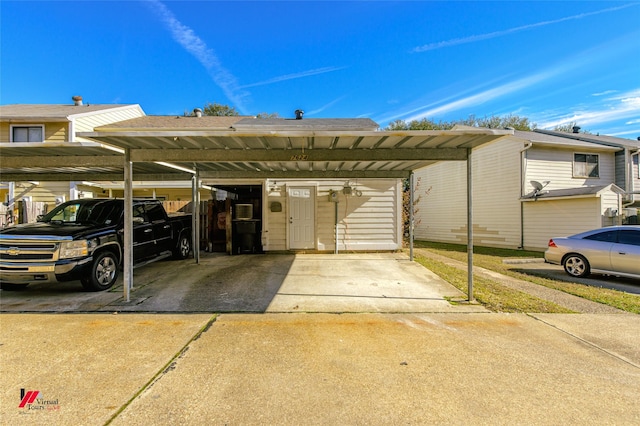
<point>217,109</point>
<point>268,115</point>
<point>568,128</point>
<point>493,122</point>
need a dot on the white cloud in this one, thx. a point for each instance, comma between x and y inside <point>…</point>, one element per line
<point>480,37</point>
<point>624,106</point>
<point>193,44</point>
<point>324,107</point>
<point>481,97</point>
<point>294,76</point>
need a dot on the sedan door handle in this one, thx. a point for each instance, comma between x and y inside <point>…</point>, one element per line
<point>146,231</point>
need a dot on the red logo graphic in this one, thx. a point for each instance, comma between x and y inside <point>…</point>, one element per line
<point>27,398</point>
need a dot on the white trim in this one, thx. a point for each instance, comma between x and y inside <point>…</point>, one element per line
<point>102,111</point>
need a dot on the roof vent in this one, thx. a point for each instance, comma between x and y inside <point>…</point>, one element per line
<point>197,112</point>
<point>299,114</point>
<point>575,129</point>
<point>77,100</point>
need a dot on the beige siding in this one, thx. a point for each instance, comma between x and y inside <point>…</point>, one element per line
<point>441,209</point>
<point>275,229</point>
<point>556,166</point>
<point>4,133</point>
<point>559,218</point>
<point>53,132</point>
<point>369,222</point>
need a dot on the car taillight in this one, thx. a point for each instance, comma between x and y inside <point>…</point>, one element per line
<point>552,244</point>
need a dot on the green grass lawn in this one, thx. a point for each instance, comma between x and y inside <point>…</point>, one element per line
<point>497,297</point>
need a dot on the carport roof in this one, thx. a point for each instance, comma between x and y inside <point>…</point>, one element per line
<point>241,147</point>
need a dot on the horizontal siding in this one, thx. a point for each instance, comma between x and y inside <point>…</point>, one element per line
<point>53,132</point>
<point>441,211</point>
<point>89,122</point>
<point>275,231</point>
<point>636,177</point>
<point>556,166</point>
<point>368,222</point>
<point>559,218</point>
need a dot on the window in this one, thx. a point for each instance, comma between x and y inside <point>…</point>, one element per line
<point>27,133</point>
<point>585,165</point>
<point>606,236</point>
<point>629,236</point>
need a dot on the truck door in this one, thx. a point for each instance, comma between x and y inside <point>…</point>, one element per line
<point>161,227</point>
<point>142,233</point>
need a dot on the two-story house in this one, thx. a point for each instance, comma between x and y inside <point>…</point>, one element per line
<point>54,124</point>
<point>527,188</point>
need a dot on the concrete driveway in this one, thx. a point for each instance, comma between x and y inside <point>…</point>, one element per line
<point>377,282</point>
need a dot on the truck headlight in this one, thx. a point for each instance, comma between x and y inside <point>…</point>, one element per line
<point>70,249</point>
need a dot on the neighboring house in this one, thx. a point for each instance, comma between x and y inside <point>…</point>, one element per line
<point>626,166</point>
<point>40,123</point>
<point>527,188</point>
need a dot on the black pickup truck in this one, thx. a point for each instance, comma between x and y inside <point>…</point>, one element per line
<point>84,239</point>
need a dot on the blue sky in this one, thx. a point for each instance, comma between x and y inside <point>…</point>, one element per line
<point>553,62</point>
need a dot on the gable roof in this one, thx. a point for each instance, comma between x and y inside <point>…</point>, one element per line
<point>62,112</point>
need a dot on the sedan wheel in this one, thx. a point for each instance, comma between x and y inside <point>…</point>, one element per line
<point>576,265</point>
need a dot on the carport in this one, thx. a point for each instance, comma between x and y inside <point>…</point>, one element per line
<point>192,152</point>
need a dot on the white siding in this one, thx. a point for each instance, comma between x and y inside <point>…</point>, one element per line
<point>366,223</point>
<point>559,218</point>
<point>636,177</point>
<point>556,166</point>
<point>87,123</point>
<point>442,206</point>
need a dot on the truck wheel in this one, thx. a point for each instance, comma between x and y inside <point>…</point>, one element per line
<point>104,272</point>
<point>183,248</point>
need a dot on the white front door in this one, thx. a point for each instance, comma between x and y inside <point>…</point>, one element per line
<point>301,218</point>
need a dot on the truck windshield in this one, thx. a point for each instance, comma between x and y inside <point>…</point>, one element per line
<point>103,213</point>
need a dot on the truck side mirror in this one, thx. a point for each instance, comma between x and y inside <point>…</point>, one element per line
<point>138,220</point>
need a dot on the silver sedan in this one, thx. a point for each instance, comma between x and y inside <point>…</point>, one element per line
<point>614,250</point>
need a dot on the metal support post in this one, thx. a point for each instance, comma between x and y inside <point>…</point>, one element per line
<point>128,225</point>
<point>469,229</point>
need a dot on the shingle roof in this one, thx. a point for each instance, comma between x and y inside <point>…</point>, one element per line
<point>50,112</point>
<point>559,140</point>
<point>572,192</point>
<point>240,123</point>
<point>598,139</point>
<point>172,122</point>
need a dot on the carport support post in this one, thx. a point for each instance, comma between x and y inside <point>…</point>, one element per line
<point>469,228</point>
<point>411,195</point>
<point>127,251</point>
<point>195,216</point>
